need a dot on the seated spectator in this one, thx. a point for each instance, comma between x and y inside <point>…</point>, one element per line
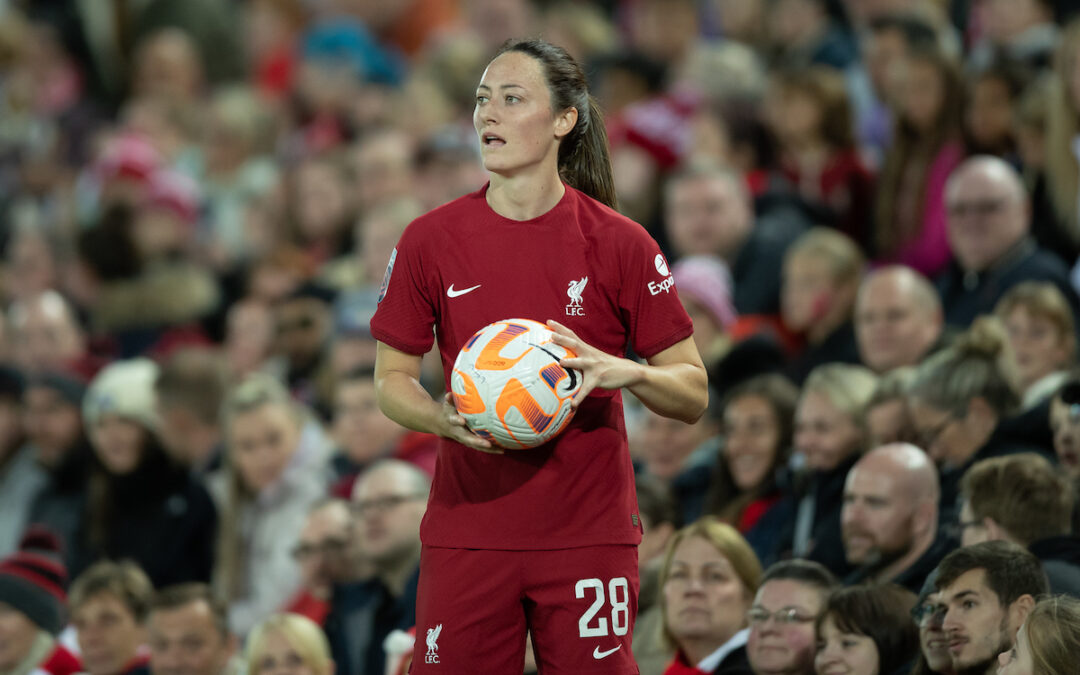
<point>758,426</point>
<point>1048,642</point>
<point>989,235</point>
<point>1048,119</point>
<point>822,270</point>
<point>190,387</point>
<point>109,605</point>
<point>33,610</point>
<point>910,219</point>
<point>987,591</point>
<point>249,337</point>
<point>1042,335</point>
<point>898,318</point>
<point>52,417</point>
<point>328,555</point>
<point>708,582</point>
<point>139,504</point>
<point>1065,424</point>
<point>188,632</point>
<point>656,509</point>
<point>867,630</point>
<point>992,96</point>
<point>275,469</point>
<point>959,402</point>
<point>708,210</point>
<point>388,501</point>
<point>288,644</point>
<point>704,286</point>
<point>1021,32</point>
<point>47,336</point>
<point>929,613</point>
<point>829,437</point>
<point>887,419</point>
<point>1023,499</point>
<point>21,476</point>
<point>792,594</point>
<point>304,323</point>
<point>890,517</point>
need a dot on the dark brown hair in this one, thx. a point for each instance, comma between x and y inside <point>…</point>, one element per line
<point>1011,570</point>
<point>1023,493</point>
<point>881,613</point>
<point>584,160</point>
<point>826,87</point>
<point>182,595</point>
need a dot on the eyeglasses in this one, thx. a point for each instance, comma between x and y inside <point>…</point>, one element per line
<point>381,504</point>
<point>302,324</point>
<point>785,617</point>
<point>925,438</point>
<point>305,550</point>
<point>981,208</point>
<point>927,614</point>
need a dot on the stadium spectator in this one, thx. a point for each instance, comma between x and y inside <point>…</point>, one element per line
<point>704,286</point>
<point>1023,499</point>
<point>388,504</point>
<point>708,582</point>
<point>303,323</point>
<point>139,505</point>
<point>1042,335</point>
<point>803,32</point>
<point>46,335</point>
<point>1022,32</point>
<point>288,644</point>
<point>890,517</point>
<point>33,609</point>
<point>1056,178</point>
<point>1048,642</point>
<point>21,477</point>
<point>188,634</point>
<point>327,551</point>
<point>1065,423</point>
<point>822,271</point>
<point>987,591</point>
<point>275,469</point>
<point>867,629</point>
<point>988,233</point>
<point>109,605</point>
<point>887,418</point>
<point>657,511</point>
<point>928,614</point>
<point>898,319</point>
<point>189,390</point>
<point>792,594</point>
<point>829,437</point>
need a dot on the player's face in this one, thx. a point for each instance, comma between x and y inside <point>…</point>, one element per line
<point>703,596</point>
<point>513,116</point>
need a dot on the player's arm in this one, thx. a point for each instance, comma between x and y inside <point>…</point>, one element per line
<point>673,383</point>
<point>404,400</point>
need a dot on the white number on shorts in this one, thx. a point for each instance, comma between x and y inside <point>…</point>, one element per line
<point>620,607</point>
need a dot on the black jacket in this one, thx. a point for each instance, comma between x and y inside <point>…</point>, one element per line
<point>1060,557</point>
<point>361,615</point>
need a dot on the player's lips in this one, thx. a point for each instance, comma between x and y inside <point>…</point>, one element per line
<point>492,140</point>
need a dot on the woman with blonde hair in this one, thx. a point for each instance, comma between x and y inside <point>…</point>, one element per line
<point>1048,642</point>
<point>275,469</point>
<point>708,581</point>
<point>829,437</point>
<point>288,644</point>
<point>1042,335</point>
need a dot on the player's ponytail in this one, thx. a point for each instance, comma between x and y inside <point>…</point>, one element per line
<point>584,160</point>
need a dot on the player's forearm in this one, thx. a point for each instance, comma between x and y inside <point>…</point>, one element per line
<point>678,390</point>
<point>404,400</point>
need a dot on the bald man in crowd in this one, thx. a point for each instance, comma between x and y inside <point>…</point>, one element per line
<point>898,318</point>
<point>890,516</point>
<point>989,224</point>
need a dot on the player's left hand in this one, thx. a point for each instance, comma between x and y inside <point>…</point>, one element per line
<point>598,368</point>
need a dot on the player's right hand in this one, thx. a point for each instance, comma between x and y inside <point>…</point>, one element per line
<point>453,427</point>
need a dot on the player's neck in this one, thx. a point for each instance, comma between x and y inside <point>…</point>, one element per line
<point>524,197</point>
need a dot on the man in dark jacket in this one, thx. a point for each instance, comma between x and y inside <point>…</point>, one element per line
<point>989,224</point>
<point>1024,499</point>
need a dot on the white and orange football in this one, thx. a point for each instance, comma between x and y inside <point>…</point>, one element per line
<point>509,386</point>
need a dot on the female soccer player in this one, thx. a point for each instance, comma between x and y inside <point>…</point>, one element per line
<point>543,540</point>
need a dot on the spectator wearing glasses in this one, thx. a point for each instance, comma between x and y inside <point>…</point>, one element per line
<point>987,591</point>
<point>958,401</point>
<point>867,630</point>
<point>708,582</point>
<point>791,597</point>
<point>388,503</point>
<point>890,517</point>
<point>275,469</point>
<point>1023,499</point>
<point>929,615</point>
<point>898,318</point>
<point>989,222</point>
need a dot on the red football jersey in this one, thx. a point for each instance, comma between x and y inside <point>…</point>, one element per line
<point>463,266</point>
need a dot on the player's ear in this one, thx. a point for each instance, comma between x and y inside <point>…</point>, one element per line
<point>565,121</point>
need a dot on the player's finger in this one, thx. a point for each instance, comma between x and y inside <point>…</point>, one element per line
<point>573,362</point>
<point>587,385</point>
<point>560,329</point>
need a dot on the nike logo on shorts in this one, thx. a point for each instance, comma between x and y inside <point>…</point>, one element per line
<point>451,293</point>
<point>597,654</point>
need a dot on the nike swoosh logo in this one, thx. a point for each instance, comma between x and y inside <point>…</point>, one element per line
<point>597,654</point>
<point>451,293</point>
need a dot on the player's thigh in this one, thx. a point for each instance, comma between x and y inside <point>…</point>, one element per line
<point>581,605</point>
<point>469,615</point>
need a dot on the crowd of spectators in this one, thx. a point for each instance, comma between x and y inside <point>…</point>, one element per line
<point>870,209</point>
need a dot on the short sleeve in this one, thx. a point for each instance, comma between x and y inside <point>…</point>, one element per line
<point>647,297</point>
<point>405,316</point>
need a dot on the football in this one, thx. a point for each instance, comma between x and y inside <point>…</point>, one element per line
<point>509,386</point>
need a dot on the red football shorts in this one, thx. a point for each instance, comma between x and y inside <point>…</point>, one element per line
<point>473,608</point>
